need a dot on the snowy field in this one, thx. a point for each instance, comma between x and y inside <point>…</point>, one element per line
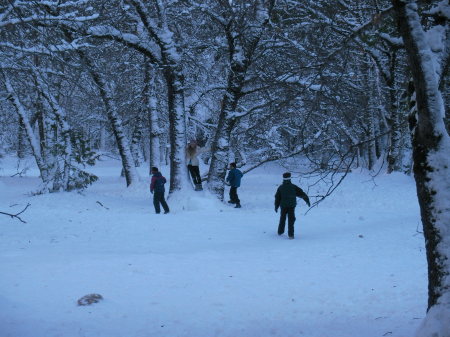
<point>357,267</point>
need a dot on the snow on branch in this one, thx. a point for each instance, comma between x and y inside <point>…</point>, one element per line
<point>205,8</point>
<point>16,216</point>
<point>56,3</point>
<point>246,112</point>
<point>394,41</point>
<point>206,126</point>
<point>48,50</point>
<point>71,17</point>
<point>7,11</point>
<point>128,39</point>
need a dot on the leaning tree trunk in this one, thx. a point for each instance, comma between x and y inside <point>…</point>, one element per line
<point>66,131</point>
<point>431,155</point>
<point>34,144</point>
<point>113,115</point>
<point>115,120</point>
<point>220,147</point>
<point>241,52</point>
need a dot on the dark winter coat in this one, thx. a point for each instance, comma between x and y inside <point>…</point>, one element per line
<point>157,184</point>
<point>234,177</point>
<point>287,194</point>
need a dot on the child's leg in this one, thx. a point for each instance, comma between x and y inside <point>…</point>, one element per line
<point>191,171</point>
<point>164,204</point>
<point>233,195</point>
<point>156,202</point>
<point>197,178</point>
<point>282,222</point>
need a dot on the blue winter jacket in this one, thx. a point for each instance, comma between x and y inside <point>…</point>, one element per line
<point>234,177</point>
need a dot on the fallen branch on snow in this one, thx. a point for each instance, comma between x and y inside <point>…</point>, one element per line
<point>17,214</point>
<point>98,202</point>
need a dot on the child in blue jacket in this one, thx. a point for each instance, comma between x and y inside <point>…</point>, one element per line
<point>234,179</point>
<point>157,189</point>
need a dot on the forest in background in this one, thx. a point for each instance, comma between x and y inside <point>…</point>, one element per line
<point>257,81</point>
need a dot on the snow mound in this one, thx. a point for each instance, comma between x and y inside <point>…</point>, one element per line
<point>193,201</point>
<point>436,323</point>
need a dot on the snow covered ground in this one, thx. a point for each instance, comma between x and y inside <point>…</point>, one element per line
<point>356,268</point>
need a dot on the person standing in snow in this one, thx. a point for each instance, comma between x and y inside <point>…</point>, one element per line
<point>157,189</point>
<point>234,179</point>
<point>286,198</point>
<point>192,151</point>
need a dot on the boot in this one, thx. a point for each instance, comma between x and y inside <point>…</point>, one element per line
<point>198,187</point>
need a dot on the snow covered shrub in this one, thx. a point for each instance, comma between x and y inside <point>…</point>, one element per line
<point>82,155</point>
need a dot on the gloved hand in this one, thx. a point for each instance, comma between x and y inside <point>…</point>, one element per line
<point>308,203</point>
<point>276,209</point>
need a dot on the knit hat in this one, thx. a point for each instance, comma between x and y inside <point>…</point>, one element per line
<point>286,176</point>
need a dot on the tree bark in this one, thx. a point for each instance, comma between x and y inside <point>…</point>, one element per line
<point>177,134</point>
<point>150,102</point>
<point>431,153</point>
<point>136,142</point>
<point>394,150</point>
<point>21,135</point>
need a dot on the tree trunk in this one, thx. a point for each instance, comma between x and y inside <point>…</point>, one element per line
<point>103,136</point>
<point>431,155</point>
<point>35,148</point>
<point>371,145</point>
<point>61,118</point>
<point>115,120</point>
<point>177,130</point>
<point>21,140</point>
<point>136,142</point>
<point>154,129</point>
<point>220,146</point>
<point>394,151</point>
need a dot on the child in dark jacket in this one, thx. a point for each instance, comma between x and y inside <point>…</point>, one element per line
<point>234,179</point>
<point>157,189</point>
<point>286,198</point>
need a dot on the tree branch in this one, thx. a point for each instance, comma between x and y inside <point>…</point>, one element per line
<point>17,214</point>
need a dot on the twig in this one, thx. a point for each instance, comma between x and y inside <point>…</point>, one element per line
<point>333,186</point>
<point>98,202</point>
<point>417,229</point>
<point>20,173</point>
<point>17,214</point>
